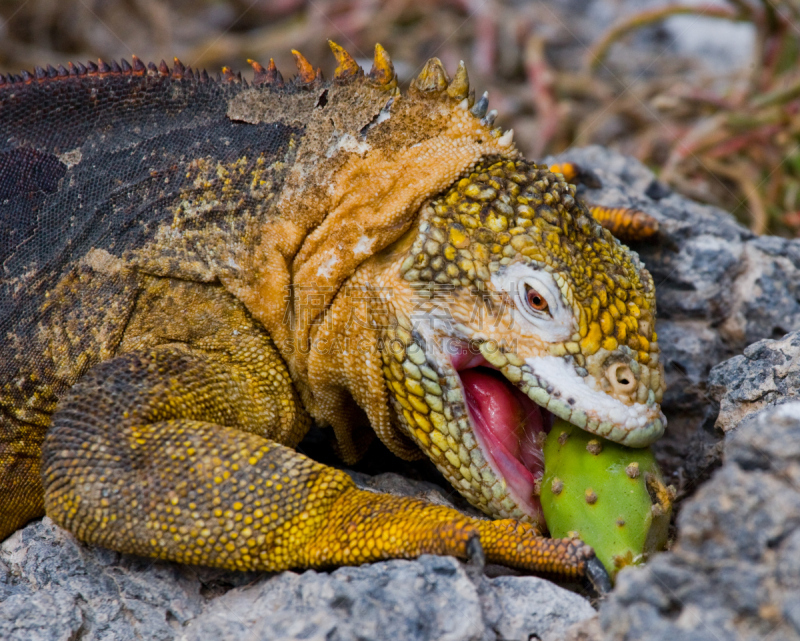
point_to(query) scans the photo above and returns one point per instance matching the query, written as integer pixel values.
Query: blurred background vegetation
(705, 93)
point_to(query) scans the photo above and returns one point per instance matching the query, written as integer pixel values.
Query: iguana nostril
(621, 378)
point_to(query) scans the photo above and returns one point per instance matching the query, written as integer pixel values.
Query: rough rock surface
(768, 373)
(431, 598)
(734, 573)
(719, 288)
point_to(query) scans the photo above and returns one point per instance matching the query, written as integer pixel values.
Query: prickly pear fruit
(612, 496)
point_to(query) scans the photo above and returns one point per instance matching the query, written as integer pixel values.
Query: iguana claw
(598, 577)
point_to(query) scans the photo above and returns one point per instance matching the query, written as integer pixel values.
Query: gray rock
(52, 587)
(430, 598)
(766, 374)
(516, 607)
(734, 572)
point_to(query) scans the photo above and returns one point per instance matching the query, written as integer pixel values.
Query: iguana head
(510, 305)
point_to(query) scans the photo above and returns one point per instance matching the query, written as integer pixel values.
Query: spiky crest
(432, 82)
(459, 87)
(305, 72)
(382, 72)
(346, 66)
(432, 79)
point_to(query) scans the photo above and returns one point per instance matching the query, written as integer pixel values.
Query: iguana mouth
(482, 415)
(510, 429)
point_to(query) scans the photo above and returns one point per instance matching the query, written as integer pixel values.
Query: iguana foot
(365, 526)
(626, 223)
(520, 545)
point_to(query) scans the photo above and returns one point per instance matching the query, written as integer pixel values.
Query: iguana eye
(536, 301)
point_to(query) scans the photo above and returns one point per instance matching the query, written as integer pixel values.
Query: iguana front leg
(166, 453)
(365, 526)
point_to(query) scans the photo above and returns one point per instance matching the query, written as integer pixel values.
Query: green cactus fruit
(612, 496)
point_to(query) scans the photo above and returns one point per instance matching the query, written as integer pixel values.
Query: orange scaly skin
(630, 225)
(185, 268)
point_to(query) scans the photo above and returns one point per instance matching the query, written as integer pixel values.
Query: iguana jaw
(479, 430)
(579, 400)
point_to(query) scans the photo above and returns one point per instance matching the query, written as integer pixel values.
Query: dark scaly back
(94, 160)
(95, 163)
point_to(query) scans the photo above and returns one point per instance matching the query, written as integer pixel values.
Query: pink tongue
(494, 407)
(507, 418)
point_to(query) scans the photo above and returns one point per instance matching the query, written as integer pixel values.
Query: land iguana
(194, 270)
